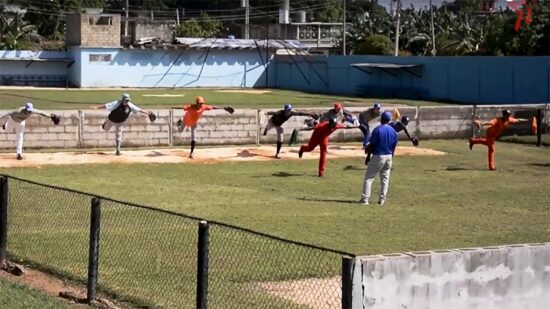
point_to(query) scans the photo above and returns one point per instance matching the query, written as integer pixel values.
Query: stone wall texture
(82, 128)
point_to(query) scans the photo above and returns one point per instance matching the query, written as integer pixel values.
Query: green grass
(16, 296)
(434, 203)
(528, 139)
(83, 99)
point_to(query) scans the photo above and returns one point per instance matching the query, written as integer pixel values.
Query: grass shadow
(456, 168)
(540, 164)
(327, 200)
(285, 174)
(353, 168)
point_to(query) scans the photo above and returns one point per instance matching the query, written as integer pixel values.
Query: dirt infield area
(180, 155)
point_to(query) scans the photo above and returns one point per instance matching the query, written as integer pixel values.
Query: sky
(422, 3)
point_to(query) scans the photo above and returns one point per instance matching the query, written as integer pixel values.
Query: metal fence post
(93, 256)
(202, 266)
(539, 127)
(3, 217)
(347, 282)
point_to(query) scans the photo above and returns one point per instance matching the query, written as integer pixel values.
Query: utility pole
(344, 30)
(397, 26)
(246, 6)
(433, 30)
(126, 8)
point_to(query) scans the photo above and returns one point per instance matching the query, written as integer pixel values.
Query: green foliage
(203, 27)
(459, 30)
(15, 32)
(376, 44)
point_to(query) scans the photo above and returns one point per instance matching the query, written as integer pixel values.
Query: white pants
(118, 131)
(279, 129)
(19, 128)
(377, 165)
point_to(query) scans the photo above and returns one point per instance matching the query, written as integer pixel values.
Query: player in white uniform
(119, 112)
(16, 122)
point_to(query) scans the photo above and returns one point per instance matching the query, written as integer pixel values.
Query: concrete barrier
(82, 129)
(516, 276)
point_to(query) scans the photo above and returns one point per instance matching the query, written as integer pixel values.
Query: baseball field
(441, 196)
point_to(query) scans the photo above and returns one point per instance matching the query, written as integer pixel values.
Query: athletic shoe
(276, 156)
(191, 156)
(300, 153)
(471, 144)
(265, 132)
(118, 152)
(381, 201)
(4, 126)
(364, 201)
(19, 157)
(320, 174)
(180, 125)
(103, 125)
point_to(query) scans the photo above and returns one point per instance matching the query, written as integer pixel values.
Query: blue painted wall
(170, 68)
(17, 62)
(461, 79)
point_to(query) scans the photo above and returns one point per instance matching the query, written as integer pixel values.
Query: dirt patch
(245, 91)
(45, 283)
(313, 293)
(202, 155)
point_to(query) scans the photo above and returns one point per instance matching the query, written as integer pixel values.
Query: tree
(203, 27)
(376, 44)
(15, 32)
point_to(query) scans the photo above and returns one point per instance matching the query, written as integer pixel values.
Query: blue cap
(287, 107)
(386, 116)
(29, 106)
(377, 105)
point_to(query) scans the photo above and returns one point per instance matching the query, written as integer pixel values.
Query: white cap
(125, 96)
(29, 106)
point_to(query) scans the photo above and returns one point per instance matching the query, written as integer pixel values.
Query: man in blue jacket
(381, 146)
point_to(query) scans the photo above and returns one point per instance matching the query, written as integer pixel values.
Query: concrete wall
(93, 30)
(506, 277)
(482, 80)
(83, 128)
(171, 68)
(18, 62)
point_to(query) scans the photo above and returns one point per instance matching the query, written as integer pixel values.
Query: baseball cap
(125, 96)
(29, 106)
(337, 106)
(506, 113)
(405, 120)
(287, 107)
(386, 116)
(199, 100)
(377, 105)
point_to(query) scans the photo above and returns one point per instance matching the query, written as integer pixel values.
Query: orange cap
(199, 100)
(337, 106)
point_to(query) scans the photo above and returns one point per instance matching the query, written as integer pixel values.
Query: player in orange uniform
(497, 126)
(320, 137)
(193, 112)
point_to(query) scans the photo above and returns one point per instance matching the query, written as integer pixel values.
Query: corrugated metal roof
(215, 43)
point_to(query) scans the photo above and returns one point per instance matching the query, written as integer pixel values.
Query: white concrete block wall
(82, 129)
(507, 277)
(220, 127)
(40, 132)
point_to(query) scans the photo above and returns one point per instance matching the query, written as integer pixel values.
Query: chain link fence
(149, 257)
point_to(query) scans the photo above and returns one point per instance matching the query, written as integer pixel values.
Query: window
(100, 57)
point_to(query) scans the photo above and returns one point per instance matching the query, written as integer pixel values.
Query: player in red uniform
(320, 137)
